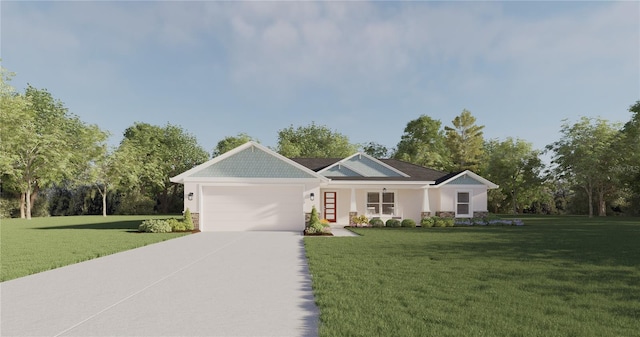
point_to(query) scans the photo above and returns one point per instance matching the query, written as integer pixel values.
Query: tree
(314, 141)
(465, 142)
(46, 145)
(159, 153)
(516, 167)
(376, 150)
(230, 143)
(423, 143)
(583, 157)
(109, 170)
(628, 145)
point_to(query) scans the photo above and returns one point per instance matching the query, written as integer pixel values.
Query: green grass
(556, 276)
(32, 246)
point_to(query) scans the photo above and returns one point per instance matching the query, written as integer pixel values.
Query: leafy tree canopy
(423, 143)
(465, 142)
(230, 143)
(313, 140)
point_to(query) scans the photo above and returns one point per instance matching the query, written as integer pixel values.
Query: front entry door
(330, 206)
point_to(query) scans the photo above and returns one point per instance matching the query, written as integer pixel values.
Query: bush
(444, 222)
(360, 220)
(188, 220)
(314, 216)
(376, 222)
(427, 222)
(155, 226)
(393, 223)
(408, 223)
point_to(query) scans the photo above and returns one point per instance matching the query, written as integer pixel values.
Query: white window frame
(381, 203)
(469, 203)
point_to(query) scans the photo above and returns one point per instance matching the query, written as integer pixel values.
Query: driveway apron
(205, 284)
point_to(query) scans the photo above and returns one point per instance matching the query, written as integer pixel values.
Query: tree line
(53, 163)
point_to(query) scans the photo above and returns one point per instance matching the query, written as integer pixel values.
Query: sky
(363, 69)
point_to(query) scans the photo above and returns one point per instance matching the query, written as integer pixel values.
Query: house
(254, 188)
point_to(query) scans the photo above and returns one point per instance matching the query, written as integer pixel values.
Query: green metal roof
(252, 163)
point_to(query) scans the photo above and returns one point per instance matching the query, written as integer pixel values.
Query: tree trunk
(104, 204)
(602, 204)
(590, 196)
(28, 202)
(514, 195)
(22, 206)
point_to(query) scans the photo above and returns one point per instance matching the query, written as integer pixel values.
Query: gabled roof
(362, 165)
(407, 171)
(465, 177)
(250, 160)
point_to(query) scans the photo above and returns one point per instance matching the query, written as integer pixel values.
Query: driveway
(205, 284)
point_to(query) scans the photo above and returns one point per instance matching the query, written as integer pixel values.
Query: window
(463, 205)
(385, 201)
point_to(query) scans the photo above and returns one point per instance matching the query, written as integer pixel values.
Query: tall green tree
(316, 141)
(376, 150)
(160, 153)
(230, 143)
(516, 167)
(465, 142)
(423, 143)
(47, 145)
(583, 157)
(627, 145)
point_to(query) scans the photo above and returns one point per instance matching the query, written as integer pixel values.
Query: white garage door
(246, 208)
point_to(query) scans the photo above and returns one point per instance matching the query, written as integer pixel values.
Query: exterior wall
(410, 204)
(448, 198)
(192, 205)
(434, 200)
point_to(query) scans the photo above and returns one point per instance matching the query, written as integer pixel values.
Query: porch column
(426, 210)
(353, 208)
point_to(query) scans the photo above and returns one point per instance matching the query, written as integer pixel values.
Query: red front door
(330, 206)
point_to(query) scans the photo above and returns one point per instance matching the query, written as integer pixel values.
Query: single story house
(254, 188)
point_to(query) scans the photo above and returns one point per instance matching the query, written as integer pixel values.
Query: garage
(252, 208)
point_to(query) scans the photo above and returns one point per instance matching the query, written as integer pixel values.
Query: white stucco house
(254, 188)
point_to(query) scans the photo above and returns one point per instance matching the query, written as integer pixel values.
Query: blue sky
(363, 69)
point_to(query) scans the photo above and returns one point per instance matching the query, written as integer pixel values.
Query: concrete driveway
(205, 284)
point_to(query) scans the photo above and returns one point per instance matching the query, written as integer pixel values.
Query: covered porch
(339, 204)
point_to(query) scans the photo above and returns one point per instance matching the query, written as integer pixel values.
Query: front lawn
(32, 246)
(555, 276)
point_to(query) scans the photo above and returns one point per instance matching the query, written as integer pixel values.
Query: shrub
(360, 220)
(314, 218)
(188, 220)
(427, 222)
(442, 222)
(176, 225)
(376, 222)
(449, 222)
(393, 223)
(408, 223)
(155, 226)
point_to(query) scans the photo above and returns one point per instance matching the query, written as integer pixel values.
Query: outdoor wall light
(312, 196)
(384, 190)
(190, 196)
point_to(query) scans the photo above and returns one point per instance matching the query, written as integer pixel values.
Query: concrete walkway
(206, 284)
(339, 230)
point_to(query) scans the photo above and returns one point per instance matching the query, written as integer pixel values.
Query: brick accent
(425, 215)
(480, 214)
(195, 217)
(307, 219)
(446, 214)
(351, 215)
